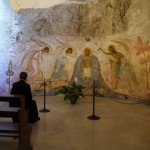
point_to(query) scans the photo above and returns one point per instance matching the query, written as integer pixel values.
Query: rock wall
(79, 19)
(7, 24)
(51, 44)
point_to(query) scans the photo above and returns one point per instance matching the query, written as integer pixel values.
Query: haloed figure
(124, 70)
(37, 61)
(87, 69)
(87, 65)
(44, 61)
(69, 58)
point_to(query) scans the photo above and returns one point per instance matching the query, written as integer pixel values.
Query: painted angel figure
(69, 60)
(124, 70)
(37, 61)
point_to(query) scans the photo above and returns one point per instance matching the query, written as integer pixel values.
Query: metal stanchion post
(44, 109)
(93, 116)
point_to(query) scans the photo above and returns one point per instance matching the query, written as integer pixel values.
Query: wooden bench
(22, 129)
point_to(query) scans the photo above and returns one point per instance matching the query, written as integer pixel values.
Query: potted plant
(72, 92)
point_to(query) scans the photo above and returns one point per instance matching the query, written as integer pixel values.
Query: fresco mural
(117, 67)
(122, 70)
(143, 47)
(54, 63)
(87, 69)
(125, 74)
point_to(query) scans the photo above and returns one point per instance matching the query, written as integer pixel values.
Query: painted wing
(126, 47)
(27, 57)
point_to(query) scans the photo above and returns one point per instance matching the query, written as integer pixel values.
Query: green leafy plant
(72, 92)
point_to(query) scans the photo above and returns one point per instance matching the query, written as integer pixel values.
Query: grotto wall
(104, 40)
(7, 38)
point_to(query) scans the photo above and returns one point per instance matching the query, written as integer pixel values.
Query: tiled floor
(124, 125)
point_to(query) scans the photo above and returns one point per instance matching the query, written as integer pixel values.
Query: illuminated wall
(106, 41)
(7, 16)
(24, 4)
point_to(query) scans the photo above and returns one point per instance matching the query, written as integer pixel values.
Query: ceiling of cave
(21, 4)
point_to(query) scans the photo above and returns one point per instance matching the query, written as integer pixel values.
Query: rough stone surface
(73, 19)
(87, 24)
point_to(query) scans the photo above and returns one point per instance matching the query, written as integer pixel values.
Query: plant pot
(73, 100)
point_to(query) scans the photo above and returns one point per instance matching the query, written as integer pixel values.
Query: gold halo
(73, 54)
(87, 48)
(111, 45)
(50, 49)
